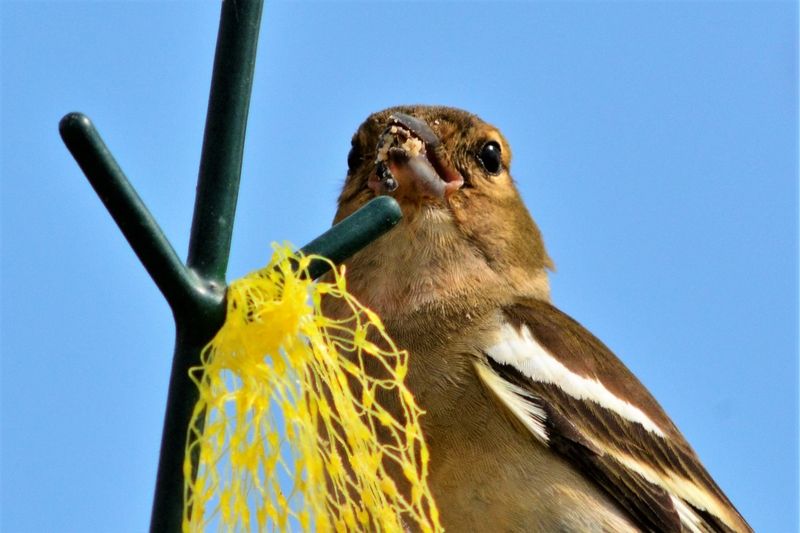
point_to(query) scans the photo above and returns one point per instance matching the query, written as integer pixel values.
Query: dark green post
(209, 243)
(196, 291)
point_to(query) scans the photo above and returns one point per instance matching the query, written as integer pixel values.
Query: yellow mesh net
(293, 427)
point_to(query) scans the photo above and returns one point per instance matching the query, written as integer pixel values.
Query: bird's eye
(354, 157)
(490, 157)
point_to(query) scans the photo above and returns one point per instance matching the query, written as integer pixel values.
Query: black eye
(490, 157)
(354, 157)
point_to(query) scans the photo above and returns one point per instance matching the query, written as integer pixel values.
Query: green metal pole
(209, 243)
(223, 142)
(353, 233)
(196, 291)
(178, 284)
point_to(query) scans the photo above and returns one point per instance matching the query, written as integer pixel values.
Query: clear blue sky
(655, 144)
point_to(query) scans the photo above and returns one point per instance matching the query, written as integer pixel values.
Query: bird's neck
(425, 265)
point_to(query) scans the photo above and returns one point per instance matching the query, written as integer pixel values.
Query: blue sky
(655, 144)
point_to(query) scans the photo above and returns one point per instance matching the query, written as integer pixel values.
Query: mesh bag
(292, 430)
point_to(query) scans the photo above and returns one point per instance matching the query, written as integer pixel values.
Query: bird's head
(465, 231)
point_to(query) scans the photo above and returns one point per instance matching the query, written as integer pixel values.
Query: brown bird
(533, 424)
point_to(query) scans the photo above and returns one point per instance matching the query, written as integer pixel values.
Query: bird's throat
(424, 262)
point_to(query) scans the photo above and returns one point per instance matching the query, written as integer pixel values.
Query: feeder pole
(196, 291)
(209, 243)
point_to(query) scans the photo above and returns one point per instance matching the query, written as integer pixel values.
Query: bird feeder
(196, 290)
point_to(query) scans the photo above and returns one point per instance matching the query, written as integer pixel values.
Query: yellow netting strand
(308, 424)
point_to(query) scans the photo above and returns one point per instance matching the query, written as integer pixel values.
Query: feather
(601, 418)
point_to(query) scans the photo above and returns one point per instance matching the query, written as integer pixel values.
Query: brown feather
(584, 354)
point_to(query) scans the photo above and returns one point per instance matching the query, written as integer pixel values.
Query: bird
(532, 423)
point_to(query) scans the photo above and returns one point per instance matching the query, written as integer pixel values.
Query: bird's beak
(409, 162)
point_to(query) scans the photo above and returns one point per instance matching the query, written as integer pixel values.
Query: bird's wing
(573, 395)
